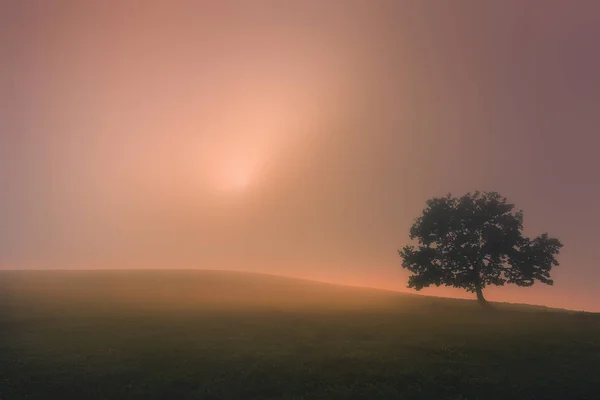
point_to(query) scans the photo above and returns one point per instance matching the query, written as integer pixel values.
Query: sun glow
(232, 142)
(237, 179)
(240, 182)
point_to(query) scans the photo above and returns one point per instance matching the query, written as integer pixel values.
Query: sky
(299, 138)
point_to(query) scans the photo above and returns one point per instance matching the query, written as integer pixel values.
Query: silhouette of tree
(474, 241)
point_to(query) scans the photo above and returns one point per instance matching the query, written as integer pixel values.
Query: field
(90, 335)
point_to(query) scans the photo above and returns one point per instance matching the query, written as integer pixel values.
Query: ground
(224, 335)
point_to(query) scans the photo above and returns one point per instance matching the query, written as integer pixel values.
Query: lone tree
(474, 241)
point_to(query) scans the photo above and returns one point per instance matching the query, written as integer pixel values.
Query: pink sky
(298, 138)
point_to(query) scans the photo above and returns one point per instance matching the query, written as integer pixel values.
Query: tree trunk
(478, 289)
(482, 301)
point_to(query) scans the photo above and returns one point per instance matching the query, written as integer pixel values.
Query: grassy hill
(232, 335)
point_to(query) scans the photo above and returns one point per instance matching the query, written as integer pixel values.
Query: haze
(296, 138)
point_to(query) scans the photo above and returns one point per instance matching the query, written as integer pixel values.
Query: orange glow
(296, 138)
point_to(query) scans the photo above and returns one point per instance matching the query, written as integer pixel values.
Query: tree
(475, 241)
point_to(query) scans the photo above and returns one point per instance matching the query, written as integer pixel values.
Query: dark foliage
(473, 241)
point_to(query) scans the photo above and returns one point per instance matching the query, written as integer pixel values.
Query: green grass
(89, 335)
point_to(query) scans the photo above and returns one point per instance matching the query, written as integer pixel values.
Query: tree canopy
(473, 241)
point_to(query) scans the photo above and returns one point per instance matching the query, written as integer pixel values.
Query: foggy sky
(298, 138)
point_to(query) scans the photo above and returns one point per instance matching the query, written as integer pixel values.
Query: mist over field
(297, 139)
(299, 200)
(232, 335)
